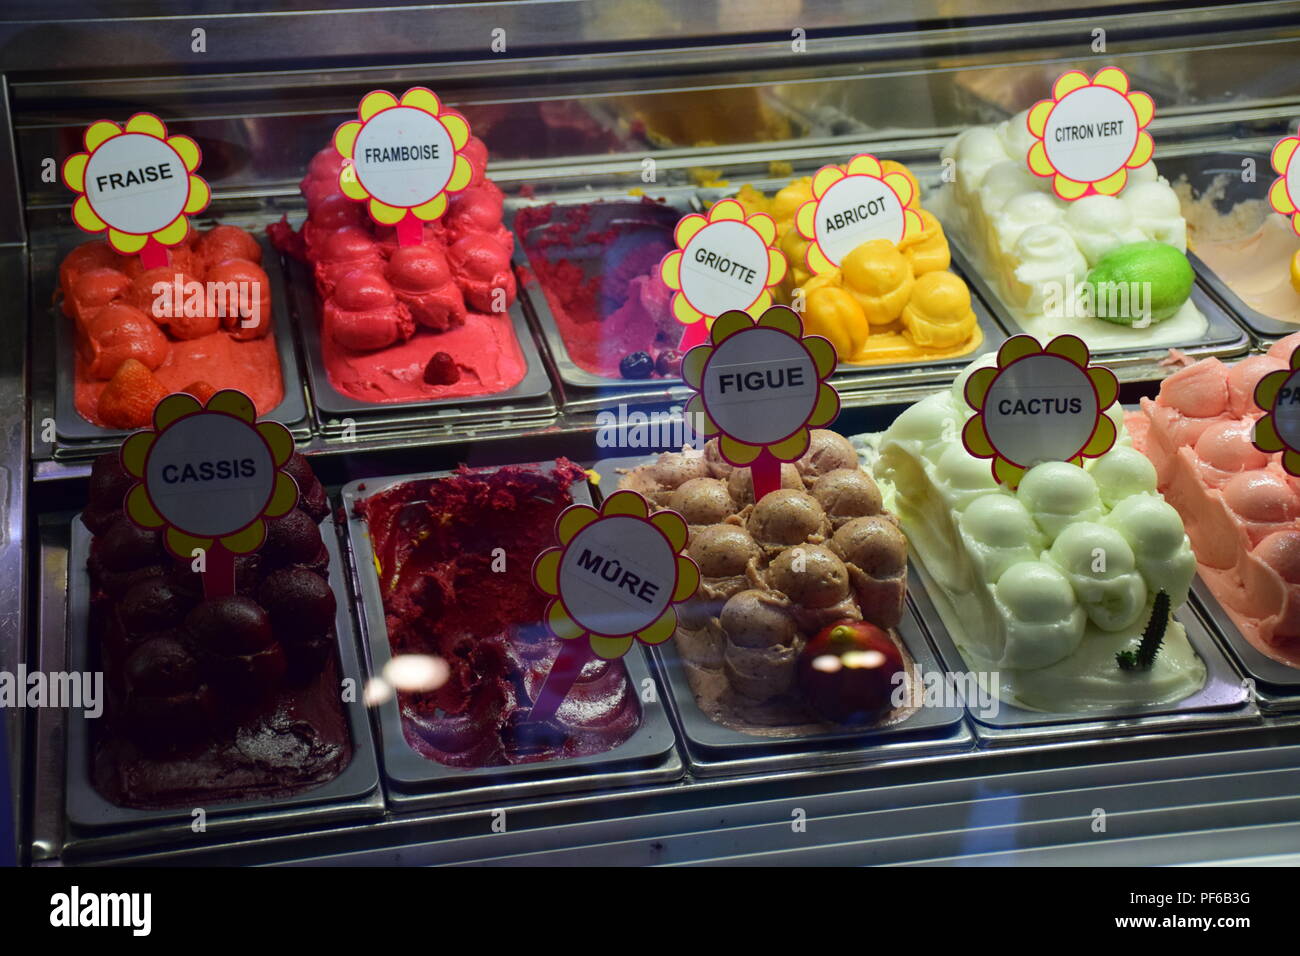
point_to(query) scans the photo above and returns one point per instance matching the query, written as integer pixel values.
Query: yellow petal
(764, 225)
(1018, 346)
(728, 324)
(610, 648)
(776, 267)
(1039, 164)
(864, 164)
(247, 540)
(805, 219)
(278, 440)
(136, 449)
(350, 186)
(737, 452)
(125, 242)
(174, 406)
(1069, 347)
(421, 98)
(433, 209)
(1113, 77)
(1068, 188)
(546, 571)
(141, 511)
(1107, 385)
(976, 438)
(383, 213)
(1007, 473)
(345, 138)
(74, 172)
(687, 227)
(673, 527)
(1102, 439)
(670, 270)
(688, 579)
(174, 232)
(823, 354)
(625, 502)
(1112, 184)
(85, 217)
(1281, 155)
(1037, 118)
(977, 386)
(184, 545)
(664, 627)
(187, 150)
(1143, 106)
(791, 448)
(234, 402)
(1266, 436)
(574, 519)
(902, 186)
(99, 132)
(456, 128)
(693, 363)
(782, 318)
(825, 178)
(148, 124)
(1069, 82)
(827, 407)
(683, 311)
(561, 623)
(283, 497)
(374, 102)
(1291, 462)
(727, 209)
(461, 174)
(200, 196)
(818, 262)
(1277, 196)
(1266, 388)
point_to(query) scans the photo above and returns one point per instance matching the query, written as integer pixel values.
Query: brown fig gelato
(772, 575)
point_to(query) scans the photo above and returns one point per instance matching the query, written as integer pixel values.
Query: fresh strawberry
(128, 399)
(442, 370)
(200, 390)
(847, 672)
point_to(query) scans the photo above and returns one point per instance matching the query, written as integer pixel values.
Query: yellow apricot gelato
(879, 278)
(939, 314)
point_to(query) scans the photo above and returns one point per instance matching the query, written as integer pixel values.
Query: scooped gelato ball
(786, 517)
(1101, 567)
(722, 550)
(1044, 620)
(702, 501)
(873, 544)
(811, 575)
(717, 466)
(754, 619)
(1228, 447)
(1000, 533)
(1058, 494)
(827, 450)
(1281, 552)
(760, 672)
(966, 477)
(847, 493)
(1121, 472)
(673, 469)
(1154, 531)
(741, 483)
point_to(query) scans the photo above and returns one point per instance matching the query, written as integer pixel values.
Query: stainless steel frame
(269, 89)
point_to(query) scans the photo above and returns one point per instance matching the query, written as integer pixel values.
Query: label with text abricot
(854, 210)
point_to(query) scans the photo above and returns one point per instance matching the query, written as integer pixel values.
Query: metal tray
(1223, 700)
(713, 749)
(1277, 685)
(1200, 170)
(70, 427)
(95, 824)
(530, 395)
(1222, 336)
(415, 781)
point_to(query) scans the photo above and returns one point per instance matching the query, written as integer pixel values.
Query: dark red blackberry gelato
(448, 592)
(212, 700)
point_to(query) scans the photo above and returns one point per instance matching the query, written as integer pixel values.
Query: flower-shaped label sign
(613, 579)
(1090, 133)
(853, 205)
(1284, 194)
(138, 184)
(761, 385)
(209, 476)
(1039, 404)
(724, 260)
(403, 157)
(1278, 394)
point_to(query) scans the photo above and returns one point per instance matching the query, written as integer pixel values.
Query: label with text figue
(1090, 133)
(1039, 404)
(761, 386)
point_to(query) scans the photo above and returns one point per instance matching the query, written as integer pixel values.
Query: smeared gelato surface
(212, 701)
(434, 543)
(598, 266)
(1240, 507)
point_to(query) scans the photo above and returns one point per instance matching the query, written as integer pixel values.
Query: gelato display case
(876, 623)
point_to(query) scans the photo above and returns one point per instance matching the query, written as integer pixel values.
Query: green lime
(1132, 279)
